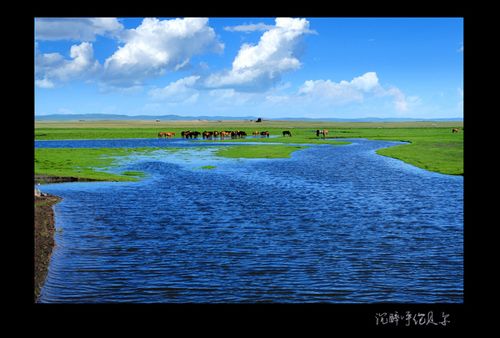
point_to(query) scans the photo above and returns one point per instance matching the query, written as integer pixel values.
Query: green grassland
(431, 146)
(84, 163)
(89, 164)
(268, 151)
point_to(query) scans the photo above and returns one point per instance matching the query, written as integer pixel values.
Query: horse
(255, 133)
(264, 133)
(455, 130)
(323, 132)
(287, 132)
(207, 134)
(166, 134)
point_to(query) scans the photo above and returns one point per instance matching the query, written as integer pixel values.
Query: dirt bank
(44, 237)
(44, 227)
(58, 179)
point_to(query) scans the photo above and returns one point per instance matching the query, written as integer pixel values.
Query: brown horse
(455, 130)
(264, 133)
(255, 133)
(166, 134)
(207, 134)
(323, 132)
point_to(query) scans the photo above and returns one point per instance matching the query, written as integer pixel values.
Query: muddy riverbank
(44, 228)
(44, 237)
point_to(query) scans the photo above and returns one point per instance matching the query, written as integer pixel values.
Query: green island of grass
(85, 163)
(258, 151)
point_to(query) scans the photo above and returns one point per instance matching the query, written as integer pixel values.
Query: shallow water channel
(330, 224)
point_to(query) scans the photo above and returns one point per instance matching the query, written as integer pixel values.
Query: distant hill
(372, 119)
(90, 117)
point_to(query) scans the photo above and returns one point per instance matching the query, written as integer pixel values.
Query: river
(334, 224)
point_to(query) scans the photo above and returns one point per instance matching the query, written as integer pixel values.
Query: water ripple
(331, 224)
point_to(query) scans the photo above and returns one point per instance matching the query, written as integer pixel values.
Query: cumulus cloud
(44, 83)
(79, 29)
(178, 91)
(400, 102)
(258, 67)
(356, 90)
(367, 82)
(341, 93)
(53, 67)
(249, 28)
(232, 98)
(157, 46)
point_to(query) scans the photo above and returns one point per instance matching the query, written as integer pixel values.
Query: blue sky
(266, 67)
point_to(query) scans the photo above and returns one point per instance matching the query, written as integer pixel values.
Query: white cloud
(366, 82)
(80, 29)
(178, 91)
(258, 67)
(53, 67)
(44, 83)
(400, 101)
(222, 94)
(461, 48)
(249, 28)
(356, 90)
(231, 98)
(157, 46)
(339, 93)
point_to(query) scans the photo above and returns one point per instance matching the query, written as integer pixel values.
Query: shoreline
(44, 179)
(44, 228)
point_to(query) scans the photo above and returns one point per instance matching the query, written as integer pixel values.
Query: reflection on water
(330, 224)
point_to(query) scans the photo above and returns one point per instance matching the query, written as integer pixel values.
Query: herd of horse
(189, 134)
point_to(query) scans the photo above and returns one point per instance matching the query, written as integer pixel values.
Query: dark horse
(264, 133)
(455, 130)
(287, 132)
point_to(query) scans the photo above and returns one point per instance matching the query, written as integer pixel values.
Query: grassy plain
(432, 145)
(84, 163)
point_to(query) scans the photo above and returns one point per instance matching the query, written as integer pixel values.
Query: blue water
(331, 224)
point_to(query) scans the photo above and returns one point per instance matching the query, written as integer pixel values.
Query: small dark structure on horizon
(259, 120)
